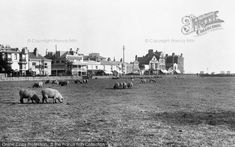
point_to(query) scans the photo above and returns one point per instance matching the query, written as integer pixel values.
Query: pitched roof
(145, 59)
(103, 62)
(72, 57)
(9, 50)
(39, 57)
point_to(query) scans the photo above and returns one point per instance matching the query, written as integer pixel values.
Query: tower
(123, 54)
(123, 60)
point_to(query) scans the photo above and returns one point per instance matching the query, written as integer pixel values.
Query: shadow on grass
(25, 103)
(195, 118)
(110, 89)
(9, 102)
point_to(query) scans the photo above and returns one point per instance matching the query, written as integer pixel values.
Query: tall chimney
(35, 52)
(150, 51)
(55, 48)
(136, 58)
(123, 54)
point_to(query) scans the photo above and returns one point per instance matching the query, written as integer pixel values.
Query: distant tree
(5, 66)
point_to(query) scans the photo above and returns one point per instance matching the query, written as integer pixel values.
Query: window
(15, 56)
(57, 61)
(52, 62)
(33, 63)
(96, 67)
(23, 57)
(45, 65)
(3, 56)
(23, 66)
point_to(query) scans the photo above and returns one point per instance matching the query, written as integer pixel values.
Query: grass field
(188, 111)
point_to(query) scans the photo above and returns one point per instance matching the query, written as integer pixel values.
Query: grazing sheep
(152, 80)
(116, 85)
(63, 83)
(51, 93)
(28, 94)
(47, 81)
(120, 86)
(143, 80)
(85, 81)
(129, 85)
(55, 82)
(124, 85)
(38, 85)
(78, 81)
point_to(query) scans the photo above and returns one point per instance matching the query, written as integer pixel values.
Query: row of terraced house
(61, 63)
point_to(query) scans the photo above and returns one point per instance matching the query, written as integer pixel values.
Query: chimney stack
(150, 51)
(55, 48)
(35, 51)
(136, 58)
(123, 54)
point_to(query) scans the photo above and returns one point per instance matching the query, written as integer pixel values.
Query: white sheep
(51, 93)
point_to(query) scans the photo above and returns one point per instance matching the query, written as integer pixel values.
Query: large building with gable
(158, 63)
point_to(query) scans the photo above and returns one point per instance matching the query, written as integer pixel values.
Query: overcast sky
(104, 26)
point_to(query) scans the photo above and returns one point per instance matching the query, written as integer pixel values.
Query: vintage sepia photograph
(114, 73)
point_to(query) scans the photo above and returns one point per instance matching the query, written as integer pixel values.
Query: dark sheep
(116, 85)
(38, 85)
(28, 94)
(47, 81)
(78, 81)
(129, 85)
(143, 80)
(63, 83)
(152, 80)
(55, 82)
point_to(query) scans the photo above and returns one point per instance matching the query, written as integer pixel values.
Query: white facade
(17, 59)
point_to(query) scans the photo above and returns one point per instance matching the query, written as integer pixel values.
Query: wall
(48, 69)
(37, 78)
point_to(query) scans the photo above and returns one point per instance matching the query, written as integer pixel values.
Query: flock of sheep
(31, 95)
(122, 85)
